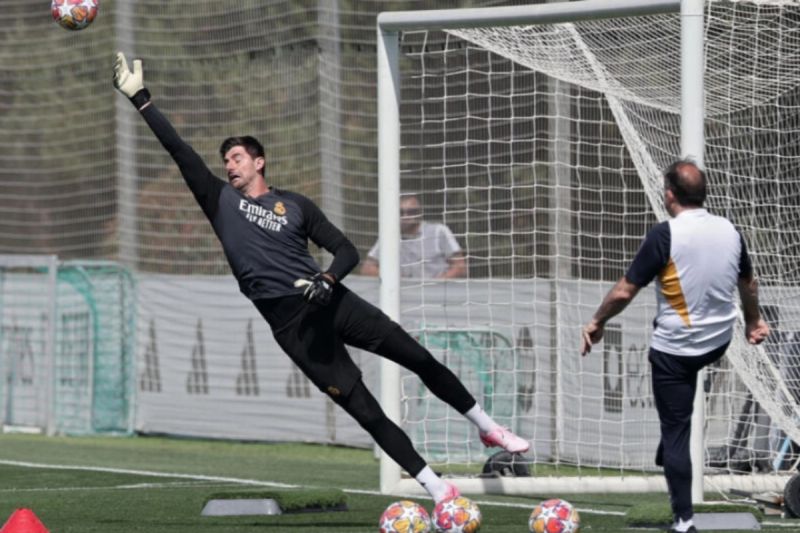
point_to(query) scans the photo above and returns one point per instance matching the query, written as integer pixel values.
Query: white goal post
(633, 100)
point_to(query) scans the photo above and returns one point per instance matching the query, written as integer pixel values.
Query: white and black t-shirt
(696, 259)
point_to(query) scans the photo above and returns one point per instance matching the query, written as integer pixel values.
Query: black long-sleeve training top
(265, 239)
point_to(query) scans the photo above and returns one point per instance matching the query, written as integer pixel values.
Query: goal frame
(692, 143)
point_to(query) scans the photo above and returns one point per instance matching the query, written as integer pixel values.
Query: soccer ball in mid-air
(405, 517)
(74, 14)
(457, 515)
(554, 516)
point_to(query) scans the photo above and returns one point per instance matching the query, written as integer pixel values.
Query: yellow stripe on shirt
(671, 289)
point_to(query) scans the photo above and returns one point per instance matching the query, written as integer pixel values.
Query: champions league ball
(554, 516)
(74, 14)
(405, 517)
(457, 515)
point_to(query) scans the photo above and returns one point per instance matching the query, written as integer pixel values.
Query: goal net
(66, 346)
(541, 147)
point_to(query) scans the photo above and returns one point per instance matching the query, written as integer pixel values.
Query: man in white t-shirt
(427, 250)
(698, 261)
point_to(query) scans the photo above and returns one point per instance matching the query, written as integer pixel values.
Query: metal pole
(127, 186)
(329, 72)
(50, 345)
(561, 224)
(513, 15)
(389, 224)
(693, 146)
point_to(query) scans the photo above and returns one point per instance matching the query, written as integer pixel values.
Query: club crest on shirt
(279, 209)
(263, 217)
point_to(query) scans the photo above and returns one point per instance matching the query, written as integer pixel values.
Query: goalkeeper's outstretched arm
(205, 186)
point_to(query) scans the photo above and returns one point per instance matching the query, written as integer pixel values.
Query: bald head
(687, 183)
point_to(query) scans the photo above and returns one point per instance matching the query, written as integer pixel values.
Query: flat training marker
(274, 502)
(712, 521)
(243, 507)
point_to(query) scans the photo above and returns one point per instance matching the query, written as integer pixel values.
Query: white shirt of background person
(428, 250)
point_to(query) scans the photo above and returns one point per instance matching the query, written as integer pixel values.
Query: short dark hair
(688, 190)
(250, 145)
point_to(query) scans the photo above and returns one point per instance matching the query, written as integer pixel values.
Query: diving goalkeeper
(264, 233)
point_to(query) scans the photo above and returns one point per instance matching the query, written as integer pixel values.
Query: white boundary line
(239, 481)
(133, 486)
(149, 473)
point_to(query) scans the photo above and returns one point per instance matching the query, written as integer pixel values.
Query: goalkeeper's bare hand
(127, 82)
(319, 288)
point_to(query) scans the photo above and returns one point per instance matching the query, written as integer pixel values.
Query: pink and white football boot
(502, 437)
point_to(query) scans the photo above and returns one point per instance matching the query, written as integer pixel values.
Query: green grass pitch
(122, 485)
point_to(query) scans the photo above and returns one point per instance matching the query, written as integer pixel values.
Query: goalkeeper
(264, 233)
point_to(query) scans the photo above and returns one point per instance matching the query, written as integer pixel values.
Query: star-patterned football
(74, 14)
(405, 516)
(554, 516)
(457, 515)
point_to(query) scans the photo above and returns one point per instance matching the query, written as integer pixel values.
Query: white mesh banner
(212, 368)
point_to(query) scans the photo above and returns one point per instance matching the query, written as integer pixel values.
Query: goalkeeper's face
(244, 171)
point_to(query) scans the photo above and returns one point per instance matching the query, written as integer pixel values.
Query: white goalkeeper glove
(131, 84)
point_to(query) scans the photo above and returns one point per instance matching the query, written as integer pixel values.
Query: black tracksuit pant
(674, 384)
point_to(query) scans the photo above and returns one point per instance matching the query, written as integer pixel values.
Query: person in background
(428, 250)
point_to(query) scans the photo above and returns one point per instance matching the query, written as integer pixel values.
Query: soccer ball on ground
(554, 516)
(405, 516)
(74, 14)
(457, 515)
